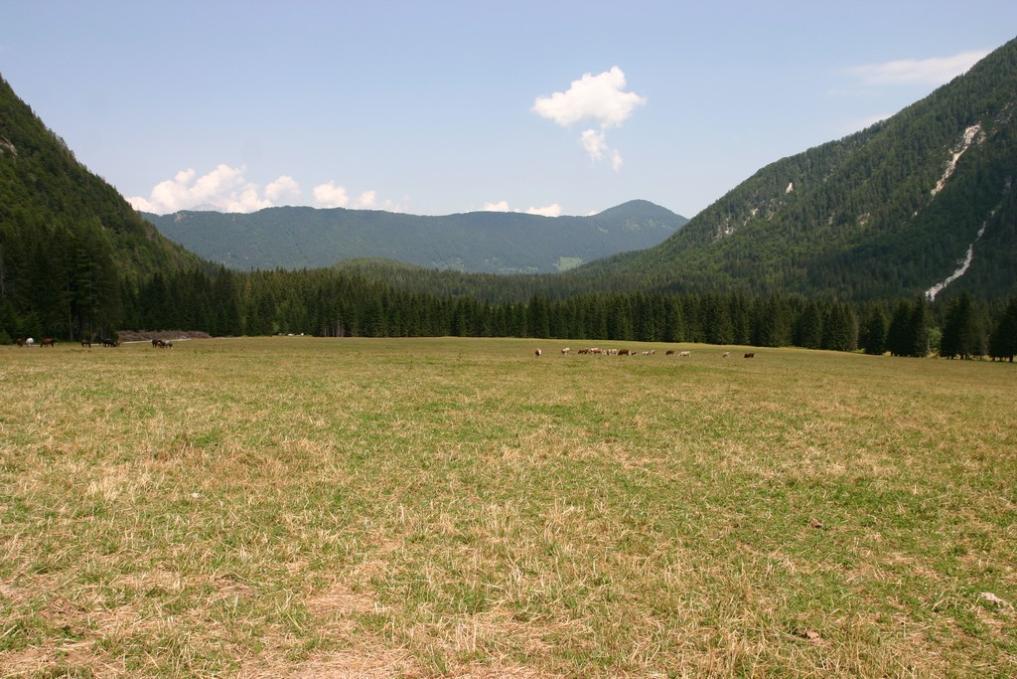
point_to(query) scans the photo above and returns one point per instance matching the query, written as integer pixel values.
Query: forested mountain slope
(68, 240)
(888, 211)
(484, 242)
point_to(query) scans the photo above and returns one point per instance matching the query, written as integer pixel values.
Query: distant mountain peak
(482, 242)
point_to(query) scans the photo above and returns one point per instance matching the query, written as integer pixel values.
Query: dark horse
(109, 342)
(85, 342)
(47, 342)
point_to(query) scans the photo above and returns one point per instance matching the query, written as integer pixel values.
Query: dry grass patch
(423, 508)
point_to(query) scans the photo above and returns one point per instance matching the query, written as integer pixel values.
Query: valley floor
(308, 507)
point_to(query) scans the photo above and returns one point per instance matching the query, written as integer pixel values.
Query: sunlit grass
(312, 507)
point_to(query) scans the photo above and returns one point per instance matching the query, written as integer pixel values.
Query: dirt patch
(339, 600)
(350, 664)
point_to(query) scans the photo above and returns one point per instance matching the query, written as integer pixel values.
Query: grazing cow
(537, 353)
(685, 354)
(168, 344)
(110, 342)
(669, 352)
(583, 351)
(612, 352)
(750, 354)
(20, 341)
(624, 352)
(565, 351)
(30, 342)
(47, 342)
(726, 354)
(85, 342)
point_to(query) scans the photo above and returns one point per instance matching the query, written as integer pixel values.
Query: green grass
(313, 507)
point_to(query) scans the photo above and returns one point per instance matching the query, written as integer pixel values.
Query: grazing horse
(537, 353)
(20, 341)
(85, 342)
(750, 354)
(47, 342)
(109, 342)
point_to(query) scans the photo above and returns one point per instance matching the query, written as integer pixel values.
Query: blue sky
(432, 107)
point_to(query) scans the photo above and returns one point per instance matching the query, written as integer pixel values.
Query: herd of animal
(565, 351)
(87, 343)
(30, 342)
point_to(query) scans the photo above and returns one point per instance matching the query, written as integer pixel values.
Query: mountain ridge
(889, 210)
(481, 242)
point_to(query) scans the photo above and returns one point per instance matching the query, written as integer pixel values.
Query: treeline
(327, 302)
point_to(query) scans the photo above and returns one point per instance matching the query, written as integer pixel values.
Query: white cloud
(594, 143)
(616, 161)
(330, 195)
(224, 188)
(284, 188)
(599, 98)
(931, 71)
(552, 210)
(366, 200)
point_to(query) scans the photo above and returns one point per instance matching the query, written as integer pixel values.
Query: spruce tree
(962, 334)
(809, 330)
(918, 330)
(873, 338)
(898, 337)
(1003, 344)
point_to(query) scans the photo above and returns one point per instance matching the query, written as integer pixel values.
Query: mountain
(483, 242)
(922, 202)
(68, 241)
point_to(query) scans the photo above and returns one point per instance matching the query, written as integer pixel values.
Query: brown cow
(750, 354)
(85, 342)
(537, 353)
(47, 342)
(669, 352)
(624, 352)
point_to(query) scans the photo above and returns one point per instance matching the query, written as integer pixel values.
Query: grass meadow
(456, 507)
